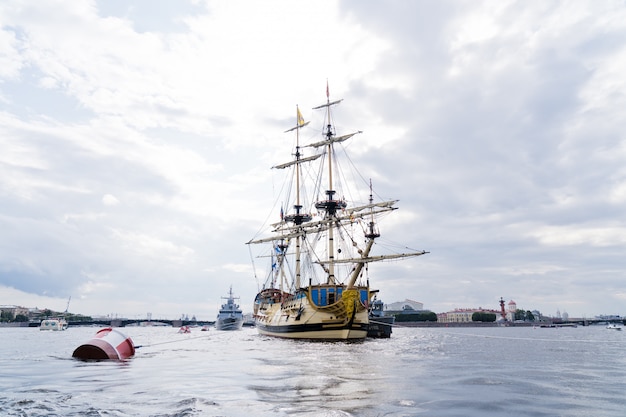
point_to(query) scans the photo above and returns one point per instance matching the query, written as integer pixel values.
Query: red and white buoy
(108, 343)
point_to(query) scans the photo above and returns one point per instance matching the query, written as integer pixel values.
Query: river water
(516, 371)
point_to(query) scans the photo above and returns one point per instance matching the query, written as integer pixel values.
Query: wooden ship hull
(312, 313)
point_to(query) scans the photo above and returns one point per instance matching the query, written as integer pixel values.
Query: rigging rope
(176, 341)
(256, 278)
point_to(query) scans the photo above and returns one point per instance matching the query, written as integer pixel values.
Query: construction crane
(68, 304)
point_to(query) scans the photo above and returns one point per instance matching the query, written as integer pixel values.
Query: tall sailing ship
(318, 284)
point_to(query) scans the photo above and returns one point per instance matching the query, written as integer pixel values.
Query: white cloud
(136, 146)
(110, 200)
(580, 235)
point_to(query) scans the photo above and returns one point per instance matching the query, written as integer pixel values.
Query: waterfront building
(404, 307)
(462, 315)
(511, 309)
(14, 311)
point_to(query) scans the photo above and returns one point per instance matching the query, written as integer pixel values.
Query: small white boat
(613, 326)
(56, 324)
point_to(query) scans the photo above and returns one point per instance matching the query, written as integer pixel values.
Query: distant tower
(512, 310)
(502, 312)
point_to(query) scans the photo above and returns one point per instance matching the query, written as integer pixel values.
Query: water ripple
(418, 372)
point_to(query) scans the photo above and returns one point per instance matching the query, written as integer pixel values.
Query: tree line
(478, 316)
(7, 316)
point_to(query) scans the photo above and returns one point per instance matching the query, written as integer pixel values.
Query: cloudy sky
(137, 139)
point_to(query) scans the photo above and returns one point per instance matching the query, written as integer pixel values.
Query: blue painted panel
(315, 295)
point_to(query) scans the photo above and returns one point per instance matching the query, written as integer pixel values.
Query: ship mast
(371, 234)
(298, 217)
(298, 206)
(330, 205)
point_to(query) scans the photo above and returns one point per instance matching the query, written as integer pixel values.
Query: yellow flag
(300, 118)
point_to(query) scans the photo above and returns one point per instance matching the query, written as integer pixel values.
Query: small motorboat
(380, 325)
(55, 324)
(613, 326)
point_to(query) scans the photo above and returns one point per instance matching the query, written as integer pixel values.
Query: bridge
(590, 322)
